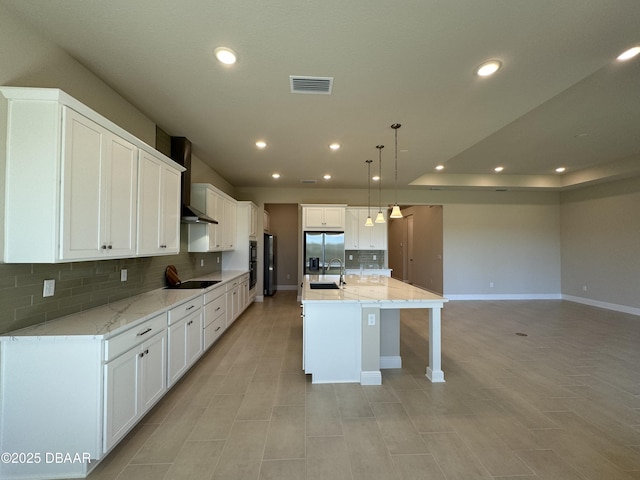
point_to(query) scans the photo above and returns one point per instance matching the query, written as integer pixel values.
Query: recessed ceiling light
(560, 169)
(629, 54)
(375, 178)
(498, 169)
(225, 55)
(440, 167)
(581, 135)
(488, 68)
(327, 177)
(275, 175)
(261, 144)
(334, 146)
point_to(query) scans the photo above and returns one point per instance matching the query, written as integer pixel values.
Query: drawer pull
(145, 332)
(218, 308)
(217, 329)
(190, 307)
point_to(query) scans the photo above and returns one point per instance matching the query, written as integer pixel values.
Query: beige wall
(601, 243)
(427, 270)
(283, 223)
(28, 60)
(517, 247)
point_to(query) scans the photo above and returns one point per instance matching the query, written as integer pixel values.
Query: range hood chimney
(181, 154)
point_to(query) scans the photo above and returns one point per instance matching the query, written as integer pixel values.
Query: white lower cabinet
(215, 310)
(134, 382)
(184, 338)
(81, 392)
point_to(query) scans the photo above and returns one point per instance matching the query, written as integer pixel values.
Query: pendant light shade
(369, 222)
(395, 211)
(380, 216)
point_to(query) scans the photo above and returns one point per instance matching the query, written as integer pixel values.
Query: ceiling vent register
(311, 85)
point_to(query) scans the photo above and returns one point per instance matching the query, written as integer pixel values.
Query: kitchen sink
(323, 286)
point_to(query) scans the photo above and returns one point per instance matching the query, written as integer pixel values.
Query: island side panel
(390, 339)
(370, 374)
(332, 341)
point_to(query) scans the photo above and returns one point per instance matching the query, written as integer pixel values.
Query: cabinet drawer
(233, 284)
(211, 295)
(214, 309)
(184, 309)
(213, 331)
(134, 336)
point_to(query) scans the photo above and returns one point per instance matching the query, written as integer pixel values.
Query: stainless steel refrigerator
(270, 276)
(320, 248)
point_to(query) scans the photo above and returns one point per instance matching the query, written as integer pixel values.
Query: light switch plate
(371, 319)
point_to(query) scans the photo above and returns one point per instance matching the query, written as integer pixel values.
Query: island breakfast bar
(351, 332)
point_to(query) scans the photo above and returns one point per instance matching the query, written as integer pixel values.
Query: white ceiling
(409, 61)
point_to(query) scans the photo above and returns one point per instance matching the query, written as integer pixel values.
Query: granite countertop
(112, 318)
(378, 289)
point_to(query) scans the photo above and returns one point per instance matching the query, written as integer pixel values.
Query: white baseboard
(599, 304)
(391, 362)
(506, 296)
(371, 378)
(548, 296)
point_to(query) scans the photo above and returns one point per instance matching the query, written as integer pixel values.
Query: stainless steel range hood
(181, 154)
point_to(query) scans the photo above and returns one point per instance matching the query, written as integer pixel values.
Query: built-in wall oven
(253, 263)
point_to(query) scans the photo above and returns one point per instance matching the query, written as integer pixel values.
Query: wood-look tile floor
(562, 402)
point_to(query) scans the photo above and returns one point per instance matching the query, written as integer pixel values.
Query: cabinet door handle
(110, 247)
(145, 332)
(190, 307)
(103, 247)
(141, 354)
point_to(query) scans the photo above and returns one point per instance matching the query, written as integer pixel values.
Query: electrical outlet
(202, 262)
(123, 275)
(288, 276)
(350, 257)
(49, 288)
(584, 288)
(490, 284)
(375, 257)
(371, 319)
(218, 259)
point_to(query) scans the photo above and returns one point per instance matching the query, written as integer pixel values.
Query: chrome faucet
(342, 282)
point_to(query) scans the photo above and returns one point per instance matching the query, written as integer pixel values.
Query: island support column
(434, 369)
(370, 371)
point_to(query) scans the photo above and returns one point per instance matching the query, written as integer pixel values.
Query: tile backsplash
(83, 285)
(366, 259)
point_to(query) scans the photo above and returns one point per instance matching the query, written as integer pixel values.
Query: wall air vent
(312, 85)
(308, 182)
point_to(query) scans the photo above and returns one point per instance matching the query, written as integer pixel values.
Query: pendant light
(369, 222)
(395, 211)
(380, 216)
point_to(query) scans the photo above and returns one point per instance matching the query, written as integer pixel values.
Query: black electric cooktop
(195, 284)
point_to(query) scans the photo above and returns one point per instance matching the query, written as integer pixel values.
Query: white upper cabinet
(323, 217)
(100, 176)
(158, 207)
(70, 180)
(230, 224)
(359, 237)
(208, 237)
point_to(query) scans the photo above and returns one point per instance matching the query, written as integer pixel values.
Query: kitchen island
(352, 332)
